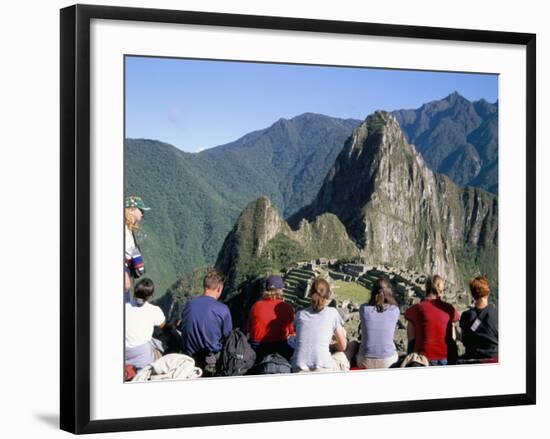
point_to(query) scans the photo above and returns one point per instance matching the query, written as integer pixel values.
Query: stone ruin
(408, 286)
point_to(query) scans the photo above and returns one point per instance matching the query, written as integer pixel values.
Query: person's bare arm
(457, 335)
(340, 338)
(127, 281)
(410, 331)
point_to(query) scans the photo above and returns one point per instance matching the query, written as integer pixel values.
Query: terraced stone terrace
(297, 283)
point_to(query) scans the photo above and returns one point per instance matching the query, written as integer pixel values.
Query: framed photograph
(273, 218)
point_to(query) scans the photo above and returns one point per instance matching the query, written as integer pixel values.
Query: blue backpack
(273, 363)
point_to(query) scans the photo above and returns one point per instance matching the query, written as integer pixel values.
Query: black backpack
(237, 356)
(273, 363)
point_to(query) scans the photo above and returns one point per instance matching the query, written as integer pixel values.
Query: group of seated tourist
(312, 339)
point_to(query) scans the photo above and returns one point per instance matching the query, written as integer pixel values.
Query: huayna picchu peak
(382, 204)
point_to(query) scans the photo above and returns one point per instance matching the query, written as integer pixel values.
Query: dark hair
(320, 291)
(382, 294)
(213, 279)
(479, 287)
(144, 289)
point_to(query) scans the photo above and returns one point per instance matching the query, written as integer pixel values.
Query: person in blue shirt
(206, 323)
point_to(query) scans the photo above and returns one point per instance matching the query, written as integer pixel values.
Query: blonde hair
(213, 279)
(320, 292)
(273, 294)
(129, 219)
(435, 285)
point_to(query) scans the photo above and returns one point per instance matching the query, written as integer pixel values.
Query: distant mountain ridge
(292, 155)
(456, 137)
(197, 197)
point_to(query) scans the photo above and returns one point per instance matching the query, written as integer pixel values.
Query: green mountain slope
(457, 138)
(196, 198)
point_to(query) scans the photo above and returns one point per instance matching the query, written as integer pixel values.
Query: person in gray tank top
(378, 322)
(318, 329)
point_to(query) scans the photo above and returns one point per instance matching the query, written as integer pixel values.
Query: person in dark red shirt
(430, 323)
(271, 321)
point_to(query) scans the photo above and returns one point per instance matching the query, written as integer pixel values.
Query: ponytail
(382, 294)
(320, 291)
(379, 300)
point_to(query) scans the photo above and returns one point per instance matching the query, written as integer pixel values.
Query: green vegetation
(280, 253)
(262, 242)
(326, 236)
(376, 122)
(352, 291)
(473, 263)
(196, 198)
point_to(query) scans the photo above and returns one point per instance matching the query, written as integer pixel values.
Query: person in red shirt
(271, 321)
(431, 323)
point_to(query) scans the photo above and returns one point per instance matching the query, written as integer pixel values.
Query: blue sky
(197, 104)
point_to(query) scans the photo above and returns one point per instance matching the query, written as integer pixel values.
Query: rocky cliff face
(398, 211)
(258, 223)
(262, 242)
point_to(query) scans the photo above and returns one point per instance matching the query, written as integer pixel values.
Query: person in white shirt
(141, 349)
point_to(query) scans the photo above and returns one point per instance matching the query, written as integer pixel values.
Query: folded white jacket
(170, 367)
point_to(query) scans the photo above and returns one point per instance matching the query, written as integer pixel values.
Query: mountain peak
(380, 120)
(455, 96)
(379, 132)
(392, 205)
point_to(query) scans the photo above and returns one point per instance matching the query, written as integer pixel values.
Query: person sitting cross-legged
(479, 324)
(141, 349)
(205, 324)
(431, 323)
(316, 327)
(378, 322)
(271, 321)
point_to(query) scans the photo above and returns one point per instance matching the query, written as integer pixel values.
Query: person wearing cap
(134, 209)
(271, 321)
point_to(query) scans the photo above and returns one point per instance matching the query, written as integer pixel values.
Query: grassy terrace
(352, 291)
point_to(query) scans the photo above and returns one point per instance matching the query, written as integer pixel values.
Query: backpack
(237, 356)
(169, 337)
(273, 363)
(415, 360)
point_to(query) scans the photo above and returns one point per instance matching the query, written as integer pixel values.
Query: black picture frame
(75, 217)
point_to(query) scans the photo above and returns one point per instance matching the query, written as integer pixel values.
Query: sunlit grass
(352, 291)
